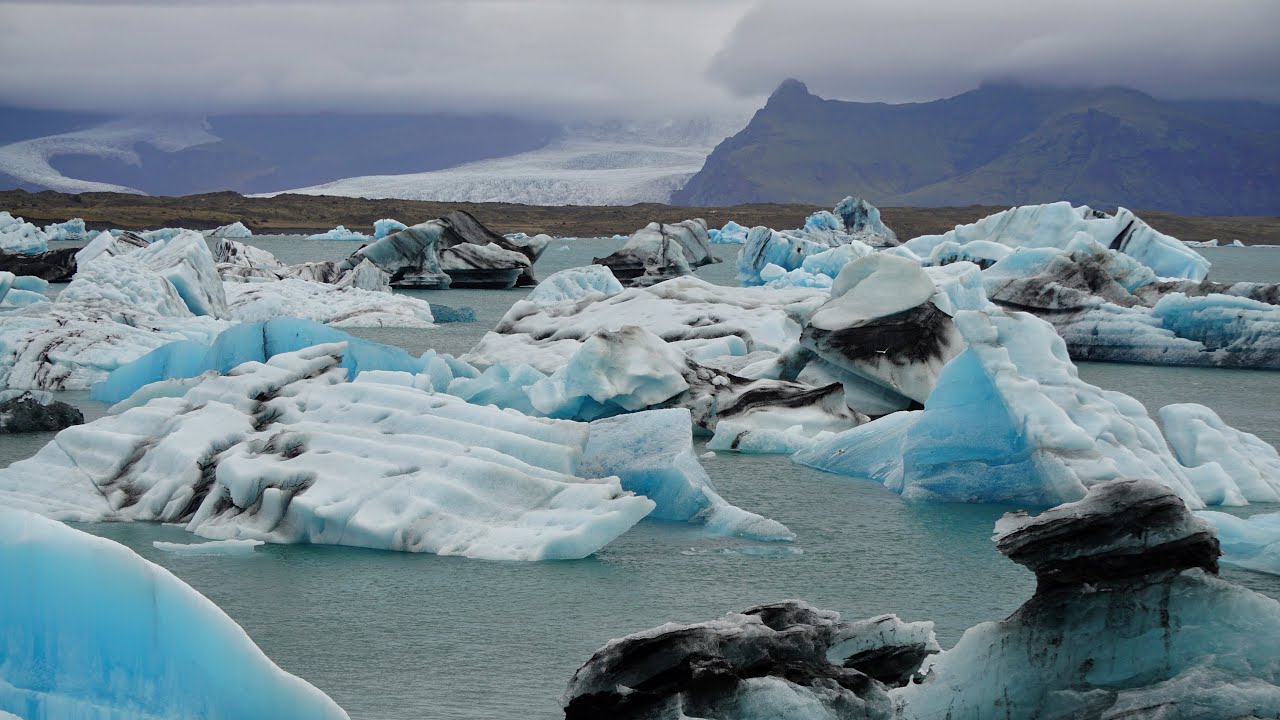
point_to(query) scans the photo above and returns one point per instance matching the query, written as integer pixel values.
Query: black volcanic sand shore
(306, 213)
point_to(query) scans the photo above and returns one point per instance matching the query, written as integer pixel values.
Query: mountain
(1001, 144)
(184, 154)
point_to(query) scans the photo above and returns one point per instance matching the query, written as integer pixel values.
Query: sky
(567, 59)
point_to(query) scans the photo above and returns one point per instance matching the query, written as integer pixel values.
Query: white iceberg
(290, 452)
(1251, 543)
(214, 547)
(1056, 225)
(575, 284)
(1229, 467)
(387, 226)
(19, 236)
(341, 233)
(94, 631)
(236, 230)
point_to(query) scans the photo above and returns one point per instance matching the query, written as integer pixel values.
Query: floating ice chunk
(882, 326)
(387, 226)
(1056, 225)
(686, 310)
(1128, 619)
(1009, 421)
(234, 230)
(784, 660)
(341, 233)
(408, 256)
(215, 547)
(1243, 468)
(861, 218)
(661, 251)
(612, 372)
(20, 291)
(94, 631)
(731, 234)
(26, 411)
(18, 236)
(465, 253)
(1246, 331)
(575, 284)
(744, 437)
(1253, 543)
(72, 229)
(289, 452)
(337, 305)
(652, 452)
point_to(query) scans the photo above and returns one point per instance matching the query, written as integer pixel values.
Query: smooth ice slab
(215, 547)
(95, 632)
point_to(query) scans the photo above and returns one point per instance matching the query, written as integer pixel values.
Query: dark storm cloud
(899, 50)
(575, 58)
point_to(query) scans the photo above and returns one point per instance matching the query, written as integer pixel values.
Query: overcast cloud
(580, 58)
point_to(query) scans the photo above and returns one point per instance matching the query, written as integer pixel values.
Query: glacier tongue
(93, 631)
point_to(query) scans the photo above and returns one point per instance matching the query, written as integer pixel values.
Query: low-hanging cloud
(560, 57)
(903, 50)
(589, 58)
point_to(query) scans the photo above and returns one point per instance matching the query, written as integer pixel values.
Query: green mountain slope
(1001, 145)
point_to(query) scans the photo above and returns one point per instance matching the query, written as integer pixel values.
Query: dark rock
(24, 413)
(54, 265)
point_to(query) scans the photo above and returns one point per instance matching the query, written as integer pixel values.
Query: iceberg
(1252, 543)
(214, 547)
(288, 451)
(652, 453)
(574, 284)
(341, 233)
(782, 660)
(882, 326)
(851, 232)
(337, 305)
(235, 230)
(19, 236)
(95, 631)
(387, 226)
(1129, 619)
(474, 255)
(73, 229)
(53, 265)
(731, 234)
(696, 316)
(408, 256)
(1056, 225)
(21, 290)
(1008, 421)
(661, 251)
(1229, 467)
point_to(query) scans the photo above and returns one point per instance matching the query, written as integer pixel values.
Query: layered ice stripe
(246, 342)
(91, 631)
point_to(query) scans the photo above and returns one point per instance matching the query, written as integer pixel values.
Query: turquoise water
(392, 635)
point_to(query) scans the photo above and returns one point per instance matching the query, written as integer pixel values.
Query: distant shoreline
(286, 214)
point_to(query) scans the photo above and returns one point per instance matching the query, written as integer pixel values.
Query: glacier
(94, 632)
(604, 163)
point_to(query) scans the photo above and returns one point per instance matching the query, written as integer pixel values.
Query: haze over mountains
(1001, 144)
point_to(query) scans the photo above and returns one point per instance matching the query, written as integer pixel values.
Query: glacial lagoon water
(400, 636)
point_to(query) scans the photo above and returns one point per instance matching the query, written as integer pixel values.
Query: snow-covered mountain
(592, 164)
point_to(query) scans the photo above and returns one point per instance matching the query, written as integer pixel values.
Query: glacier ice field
(401, 635)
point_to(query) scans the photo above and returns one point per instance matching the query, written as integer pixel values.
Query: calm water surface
(396, 635)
